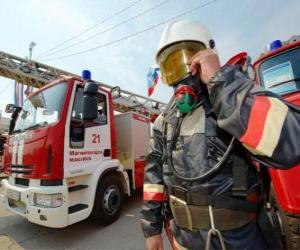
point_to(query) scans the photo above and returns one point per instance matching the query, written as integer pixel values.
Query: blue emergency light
(276, 44)
(86, 75)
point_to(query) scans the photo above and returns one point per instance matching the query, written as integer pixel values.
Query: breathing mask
(175, 71)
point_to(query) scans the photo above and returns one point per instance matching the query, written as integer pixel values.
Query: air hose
(210, 172)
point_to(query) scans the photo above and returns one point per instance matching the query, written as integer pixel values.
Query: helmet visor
(173, 61)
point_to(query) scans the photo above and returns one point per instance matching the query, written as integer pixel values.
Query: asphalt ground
(17, 233)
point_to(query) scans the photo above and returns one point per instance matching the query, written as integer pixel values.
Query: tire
(287, 226)
(108, 200)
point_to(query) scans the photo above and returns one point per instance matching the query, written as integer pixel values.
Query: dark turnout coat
(265, 128)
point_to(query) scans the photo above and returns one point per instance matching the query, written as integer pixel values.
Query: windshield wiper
(280, 83)
(17, 131)
(38, 125)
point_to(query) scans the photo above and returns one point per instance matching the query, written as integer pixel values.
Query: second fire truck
(278, 70)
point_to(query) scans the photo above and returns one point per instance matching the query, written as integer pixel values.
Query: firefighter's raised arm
(153, 192)
(265, 125)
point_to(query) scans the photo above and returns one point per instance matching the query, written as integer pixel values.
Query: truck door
(88, 143)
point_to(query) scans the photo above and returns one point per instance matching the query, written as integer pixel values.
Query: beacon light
(86, 75)
(276, 44)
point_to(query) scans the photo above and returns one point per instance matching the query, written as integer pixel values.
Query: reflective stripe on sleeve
(256, 123)
(265, 124)
(154, 188)
(177, 245)
(153, 192)
(153, 196)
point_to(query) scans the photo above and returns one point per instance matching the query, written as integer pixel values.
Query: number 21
(96, 138)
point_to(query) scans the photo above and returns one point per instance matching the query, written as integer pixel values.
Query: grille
(20, 169)
(23, 182)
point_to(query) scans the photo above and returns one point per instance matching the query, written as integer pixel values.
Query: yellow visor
(173, 61)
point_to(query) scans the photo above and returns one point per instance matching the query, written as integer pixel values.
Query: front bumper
(49, 217)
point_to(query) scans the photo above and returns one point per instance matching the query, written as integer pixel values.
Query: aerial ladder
(37, 75)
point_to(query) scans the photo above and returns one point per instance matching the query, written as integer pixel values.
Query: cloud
(62, 14)
(252, 28)
(281, 25)
(228, 45)
(238, 25)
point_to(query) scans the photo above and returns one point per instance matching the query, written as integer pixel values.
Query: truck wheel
(287, 226)
(108, 200)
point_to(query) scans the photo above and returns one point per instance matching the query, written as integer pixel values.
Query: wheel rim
(111, 199)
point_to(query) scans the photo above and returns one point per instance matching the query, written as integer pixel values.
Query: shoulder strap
(240, 171)
(239, 174)
(206, 102)
(165, 132)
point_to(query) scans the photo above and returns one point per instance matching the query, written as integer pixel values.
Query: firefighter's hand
(206, 63)
(154, 243)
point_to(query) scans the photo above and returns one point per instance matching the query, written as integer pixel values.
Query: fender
(98, 174)
(122, 172)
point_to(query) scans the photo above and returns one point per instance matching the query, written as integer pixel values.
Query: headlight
(48, 200)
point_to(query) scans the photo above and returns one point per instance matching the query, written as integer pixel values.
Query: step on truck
(69, 156)
(278, 70)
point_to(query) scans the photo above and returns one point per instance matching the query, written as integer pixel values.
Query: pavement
(125, 234)
(8, 243)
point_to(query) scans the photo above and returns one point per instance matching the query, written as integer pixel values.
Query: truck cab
(61, 155)
(278, 70)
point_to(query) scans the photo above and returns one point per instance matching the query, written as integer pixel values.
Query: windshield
(42, 109)
(281, 74)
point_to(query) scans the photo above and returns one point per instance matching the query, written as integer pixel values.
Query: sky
(126, 50)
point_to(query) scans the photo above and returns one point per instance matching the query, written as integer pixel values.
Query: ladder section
(37, 74)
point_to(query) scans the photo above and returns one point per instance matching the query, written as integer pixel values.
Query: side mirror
(90, 88)
(10, 108)
(89, 101)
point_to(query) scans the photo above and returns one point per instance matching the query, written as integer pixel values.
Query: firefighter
(199, 168)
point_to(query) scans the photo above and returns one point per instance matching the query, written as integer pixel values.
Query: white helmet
(185, 30)
(179, 42)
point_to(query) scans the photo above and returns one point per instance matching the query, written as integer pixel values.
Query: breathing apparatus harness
(191, 92)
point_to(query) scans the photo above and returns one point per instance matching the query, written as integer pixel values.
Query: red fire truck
(68, 155)
(278, 70)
